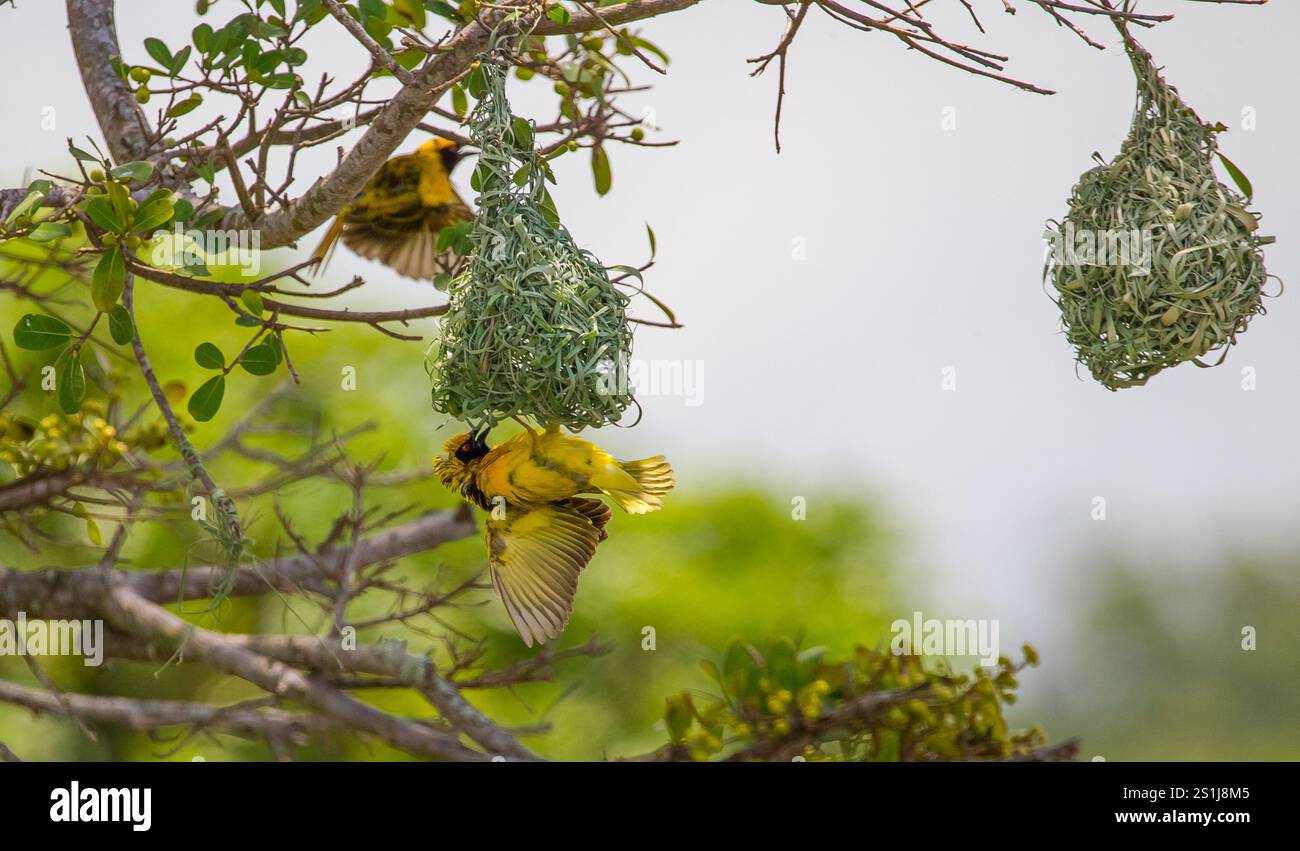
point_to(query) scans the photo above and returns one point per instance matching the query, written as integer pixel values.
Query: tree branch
(223, 504)
(72, 593)
(94, 41)
(129, 612)
(381, 56)
(328, 655)
(139, 714)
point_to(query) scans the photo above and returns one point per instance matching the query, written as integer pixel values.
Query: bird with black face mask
(540, 532)
(397, 218)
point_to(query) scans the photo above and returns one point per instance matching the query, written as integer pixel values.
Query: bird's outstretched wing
(535, 555)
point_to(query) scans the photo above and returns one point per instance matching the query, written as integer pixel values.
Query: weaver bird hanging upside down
(540, 533)
(397, 217)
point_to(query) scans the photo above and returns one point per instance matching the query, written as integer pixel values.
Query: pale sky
(923, 251)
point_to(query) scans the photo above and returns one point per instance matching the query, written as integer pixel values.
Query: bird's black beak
(451, 156)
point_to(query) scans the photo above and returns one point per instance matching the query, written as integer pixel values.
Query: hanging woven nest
(1156, 262)
(534, 326)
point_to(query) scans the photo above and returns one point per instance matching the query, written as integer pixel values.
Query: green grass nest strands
(534, 323)
(1205, 272)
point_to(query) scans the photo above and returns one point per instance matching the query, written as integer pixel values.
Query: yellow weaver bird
(540, 533)
(397, 217)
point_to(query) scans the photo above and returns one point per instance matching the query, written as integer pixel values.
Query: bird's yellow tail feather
(655, 477)
(323, 251)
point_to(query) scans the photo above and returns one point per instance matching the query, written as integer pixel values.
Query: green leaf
(711, 671)
(600, 170)
(84, 156)
(155, 212)
(678, 716)
(183, 107)
(202, 36)
(93, 533)
(311, 11)
(260, 359)
(549, 211)
(443, 9)
(208, 356)
(459, 103)
(177, 64)
(736, 659)
(120, 326)
(269, 29)
(407, 59)
(781, 664)
(158, 50)
(808, 664)
(522, 132)
(206, 401)
(559, 14)
(50, 231)
(646, 45)
(280, 81)
(379, 29)
(109, 279)
(446, 237)
(194, 267)
(101, 212)
(252, 300)
(37, 332)
(33, 199)
(138, 171)
(1238, 177)
(120, 199)
(477, 83)
(72, 385)
(412, 11)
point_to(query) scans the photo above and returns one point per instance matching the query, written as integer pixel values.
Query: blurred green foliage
(784, 704)
(1162, 669)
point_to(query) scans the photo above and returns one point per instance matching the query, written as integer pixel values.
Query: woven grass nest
(1156, 262)
(534, 324)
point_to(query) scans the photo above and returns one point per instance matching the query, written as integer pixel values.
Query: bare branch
(381, 56)
(129, 612)
(137, 714)
(71, 593)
